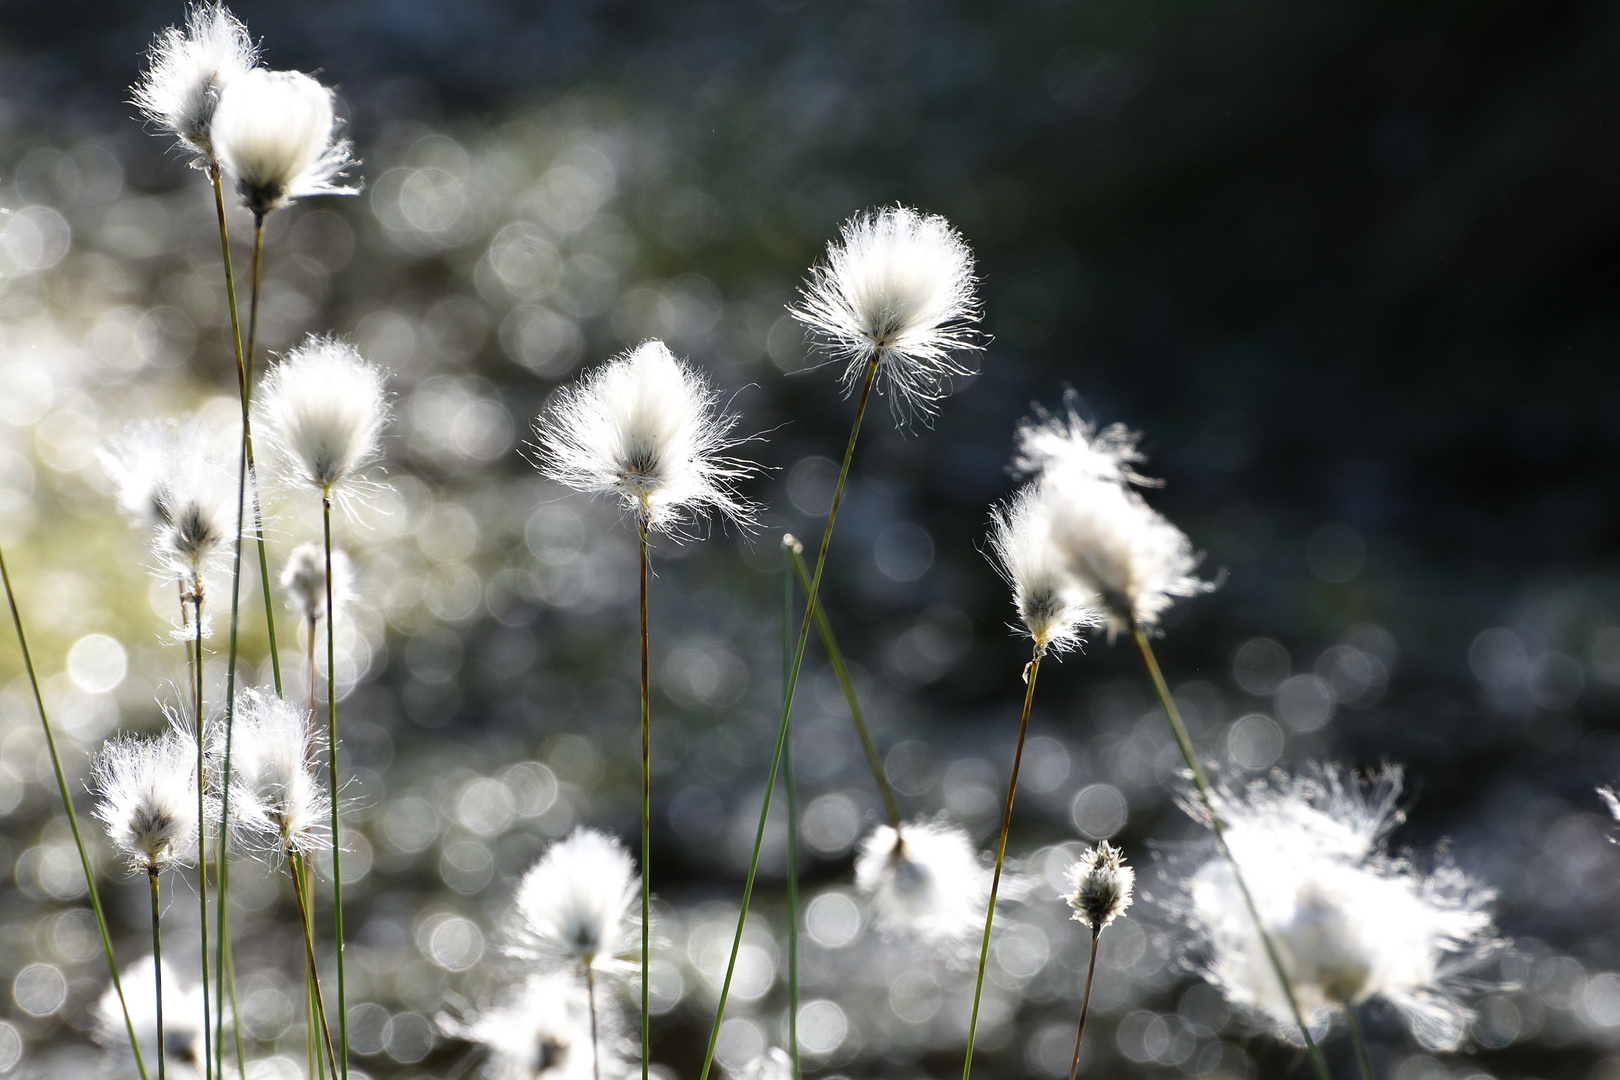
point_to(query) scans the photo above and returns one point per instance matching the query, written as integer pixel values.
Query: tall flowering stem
(791, 547)
(1218, 827)
(646, 822)
(787, 704)
(202, 832)
(157, 968)
(297, 866)
(73, 818)
(331, 757)
(1030, 673)
(1085, 1003)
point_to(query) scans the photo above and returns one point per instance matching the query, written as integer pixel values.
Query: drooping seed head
(276, 134)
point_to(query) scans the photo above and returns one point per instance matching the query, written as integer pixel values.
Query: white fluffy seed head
(773, 1064)
(575, 907)
(1100, 886)
(304, 579)
(278, 805)
(183, 1023)
(1071, 444)
(148, 789)
(897, 289)
(1126, 557)
(1610, 800)
(1053, 607)
(542, 1031)
(187, 71)
(1350, 921)
(925, 881)
(276, 134)
(644, 427)
(322, 409)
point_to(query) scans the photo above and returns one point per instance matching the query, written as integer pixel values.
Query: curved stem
(73, 818)
(1218, 827)
(792, 822)
(836, 656)
(297, 865)
(1362, 1057)
(596, 1045)
(787, 707)
(1085, 1003)
(1030, 673)
(157, 969)
(646, 818)
(202, 836)
(331, 757)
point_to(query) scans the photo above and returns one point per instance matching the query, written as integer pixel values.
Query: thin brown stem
(331, 757)
(157, 968)
(297, 865)
(1085, 1003)
(596, 1045)
(202, 831)
(646, 820)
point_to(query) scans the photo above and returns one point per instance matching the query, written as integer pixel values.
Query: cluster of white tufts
(576, 907)
(304, 580)
(148, 789)
(188, 71)
(322, 410)
(278, 806)
(540, 1031)
(924, 880)
(1350, 921)
(643, 426)
(183, 1022)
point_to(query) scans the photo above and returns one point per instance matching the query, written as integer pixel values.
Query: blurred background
(1351, 267)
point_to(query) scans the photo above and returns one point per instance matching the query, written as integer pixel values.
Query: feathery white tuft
(277, 802)
(1127, 558)
(148, 789)
(924, 880)
(1350, 921)
(322, 409)
(1051, 603)
(1071, 444)
(187, 71)
(541, 1032)
(1610, 800)
(304, 579)
(773, 1064)
(575, 907)
(897, 288)
(277, 135)
(138, 463)
(643, 426)
(182, 1022)
(1100, 886)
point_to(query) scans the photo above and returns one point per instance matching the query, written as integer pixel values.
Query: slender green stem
(236, 1015)
(296, 864)
(646, 818)
(1218, 827)
(1085, 1003)
(856, 713)
(792, 818)
(1362, 1057)
(202, 832)
(596, 1045)
(157, 968)
(1030, 673)
(73, 818)
(787, 707)
(312, 1020)
(332, 759)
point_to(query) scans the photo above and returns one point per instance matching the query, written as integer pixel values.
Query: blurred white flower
(897, 288)
(138, 461)
(1349, 921)
(773, 1064)
(925, 880)
(276, 134)
(182, 1022)
(1610, 800)
(541, 1032)
(277, 803)
(322, 409)
(148, 789)
(1070, 444)
(187, 70)
(1100, 886)
(304, 579)
(643, 426)
(576, 907)
(1051, 603)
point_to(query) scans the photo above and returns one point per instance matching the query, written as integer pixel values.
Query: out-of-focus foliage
(1350, 266)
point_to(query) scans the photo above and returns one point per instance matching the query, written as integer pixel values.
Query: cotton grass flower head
(773, 1064)
(182, 1022)
(1051, 603)
(924, 880)
(644, 427)
(187, 71)
(138, 462)
(897, 289)
(575, 907)
(1350, 921)
(540, 1032)
(276, 133)
(277, 803)
(148, 789)
(304, 580)
(1070, 444)
(1100, 886)
(322, 409)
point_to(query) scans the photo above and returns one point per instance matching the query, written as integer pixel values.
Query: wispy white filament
(182, 1022)
(575, 907)
(277, 803)
(304, 579)
(897, 288)
(187, 71)
(644, 427)
(1053, 605)
(1100, 886)
(148, 789)
(1350, 921)
(322, 410)
(277, 135)
(925, 880)
(541, 1032)
(1070, 444)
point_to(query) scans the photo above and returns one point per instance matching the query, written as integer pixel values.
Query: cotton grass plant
(1100, 892)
